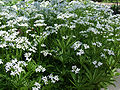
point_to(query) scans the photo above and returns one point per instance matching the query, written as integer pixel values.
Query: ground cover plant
(53, 45)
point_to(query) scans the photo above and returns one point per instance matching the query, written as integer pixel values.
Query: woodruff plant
(51, 46)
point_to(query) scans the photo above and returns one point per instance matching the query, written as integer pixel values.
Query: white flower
(28, 59)
(1, 61)
(98, 44)
(39, 21)
(43, 45)
(37, 85)
(75, 69)
(86, 46)
(102, 55)
(35, 88)
(1, 2)
(28, 31)
(76, 45)
(53, 78)
(99, 63)
(94, 62)
(16, 67)
(65, 37)
(40, 24)
(43, 69)
(45, 79)
(23, 24)
(40, 68)
(110, 52)
(45, 52)
(27, 55)
(80, 52)
(56, 78)
(15, 7)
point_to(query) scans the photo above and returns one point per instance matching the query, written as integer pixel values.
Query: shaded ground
(117, 83)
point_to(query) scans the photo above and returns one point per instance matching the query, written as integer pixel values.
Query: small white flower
(99, 63)
(1, 2)
(40, 24)
(28, 59)
(53, 78)
(37, 85)
(43, 69)
(40, 68)
(98, 44)
(53, 81)
(1, 61)
(35, 88)
(43, 45)
(75, 69)
(102, 55)
(45, 79)
(94, 62)
(110, 52)
(15, 67)
(65, 37)
(23, 24)
(45, 52)
(86, 46)
(56, 78)
(27, 55)
(80, 52)
(76, 45)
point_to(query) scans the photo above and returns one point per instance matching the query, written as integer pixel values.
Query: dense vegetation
(53, 45)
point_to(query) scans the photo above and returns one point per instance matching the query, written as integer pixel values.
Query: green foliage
(58, 45)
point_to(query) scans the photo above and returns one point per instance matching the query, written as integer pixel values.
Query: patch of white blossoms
(66, 15)
(15, 67)
(40, 69)
(80, 52)
(27, 56)
(110, 52)
(75, 69)
(52, 78)
(46, 52)
(76, 45)
(98, 44)
(97, 64)
(37, 86)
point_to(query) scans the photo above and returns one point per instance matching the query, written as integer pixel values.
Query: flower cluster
(51, 77)
(97, 64)
(40, 69)
(27, 55)
(56, 34)
(110, 52)
(15, 67)
(98, 44)
(38, 86)
(76, 45)
(75, 69)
